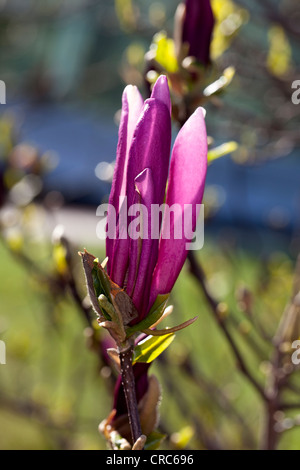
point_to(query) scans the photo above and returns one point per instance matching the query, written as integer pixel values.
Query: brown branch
(129, 391)
(289, 406)
(213, 391)
(197, 271)
(276, 383)
(210, 443)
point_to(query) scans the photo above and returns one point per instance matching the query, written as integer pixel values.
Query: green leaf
(154, 440)
(102, 279)
(93, 280)
(155, 313)
(169, 330)
(221, 150)
(96, 282)
(60, 258)
(279, 59)
(126, 14)
(182, 437)
(107, 306)
(220, 84)
(164, 52)
(151, 347)
(100, 286)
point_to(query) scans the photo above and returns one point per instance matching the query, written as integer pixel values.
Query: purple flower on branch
(146, 267)
(129, 290)
(195, 23)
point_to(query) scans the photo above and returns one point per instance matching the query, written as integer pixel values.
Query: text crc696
(171, 459)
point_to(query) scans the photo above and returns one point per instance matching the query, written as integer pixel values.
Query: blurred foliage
(164, 50)
(22, 168)
(57, 383)
(221, 150)
(49, 370)
(126, 14)
(279, 58)
(67, 50)
(229, 19)
(151, 348)
(54, 390)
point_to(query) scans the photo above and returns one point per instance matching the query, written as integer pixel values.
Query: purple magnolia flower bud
(197, 22)
(148, 266)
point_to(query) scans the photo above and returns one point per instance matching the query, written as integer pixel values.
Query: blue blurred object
(81, 141)
(266, 195)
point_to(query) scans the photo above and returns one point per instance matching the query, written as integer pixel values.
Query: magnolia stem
(129, 391)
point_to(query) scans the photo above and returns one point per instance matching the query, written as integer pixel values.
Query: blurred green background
(65, 64)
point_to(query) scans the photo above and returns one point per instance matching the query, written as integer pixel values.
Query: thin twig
(129, 391)
(198, 273)
(213, 391)
(289, 406)
(276, 383)
(209, 442)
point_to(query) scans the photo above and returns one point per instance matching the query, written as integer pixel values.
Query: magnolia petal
(186, 186)
(143, 251)
(132, 105)
(161, 92)
(150, 149)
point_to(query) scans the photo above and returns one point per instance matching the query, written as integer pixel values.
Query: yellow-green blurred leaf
(164, 52)
(151, 347)
(157, 14)
(6, 137)
(181, 438)
(229, 19)
(126, 14)
(222, 82)
(135, 54)
(14, 240)
(59, 256)
(280, 54)
(221, 150)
